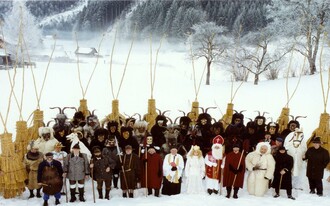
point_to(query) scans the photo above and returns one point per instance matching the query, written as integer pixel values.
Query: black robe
(283, 161)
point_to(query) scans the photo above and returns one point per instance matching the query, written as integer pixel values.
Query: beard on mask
(217, 152)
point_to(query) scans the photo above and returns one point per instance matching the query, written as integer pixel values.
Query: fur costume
(46, 145)
(73, 138)
(261, 170)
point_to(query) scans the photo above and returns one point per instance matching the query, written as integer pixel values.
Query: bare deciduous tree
(303, 20)
(207, 42)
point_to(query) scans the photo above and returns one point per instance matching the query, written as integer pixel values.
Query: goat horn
(299, 117)
(209, 108)
(169, 119)
(137, 115)
(127, 115)
(49, 122)
(165, 112)
(176, 119)
(263, 114)
(258, 113)
(184, 114)
(59, 108)
(271, 119)
(202, 109)
(159, 112)
(64, 108)
(242, 111)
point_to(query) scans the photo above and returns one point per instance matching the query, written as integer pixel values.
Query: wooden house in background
(86, 52)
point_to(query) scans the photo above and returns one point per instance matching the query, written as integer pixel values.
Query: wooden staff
(279, 186)
(218, 170)
(92, 174)
(122, 166)
(66, 191)
(146, 168)
(239, 164)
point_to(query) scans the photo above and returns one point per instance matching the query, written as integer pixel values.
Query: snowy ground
(174, 90)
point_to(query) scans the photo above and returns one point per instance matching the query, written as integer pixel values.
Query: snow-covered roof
(86, 50)
(3, 53)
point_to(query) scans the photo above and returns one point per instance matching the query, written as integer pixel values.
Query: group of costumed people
(109, 151)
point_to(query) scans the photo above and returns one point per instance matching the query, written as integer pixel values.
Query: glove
(145, 161)
(160, 173)
(232, 169)
(174, 168)
(214, 164)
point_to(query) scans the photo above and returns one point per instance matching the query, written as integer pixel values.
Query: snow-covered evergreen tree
(19, 23)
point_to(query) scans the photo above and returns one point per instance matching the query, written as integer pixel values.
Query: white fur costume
(43, 145)
(257, 184)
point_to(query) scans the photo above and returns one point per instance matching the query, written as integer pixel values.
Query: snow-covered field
(173, 90)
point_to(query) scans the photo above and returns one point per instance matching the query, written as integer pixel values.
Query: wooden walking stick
(218, 170)
(66, 191)
(239, 164)
(146, 168)
(92, 174)
(279, 186)
(122, 167)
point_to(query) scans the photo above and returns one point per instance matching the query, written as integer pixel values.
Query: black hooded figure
(249, 137)
(260, 122)
(204, 125)
(113, 129)
(272, 128)
(126, 138)
(184, 123)
(292, 125)
(234, 132)
(101, 135)
(236, 126)
(157, 131)
(78, 121)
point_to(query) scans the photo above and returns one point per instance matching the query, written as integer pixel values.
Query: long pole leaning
(239, 164)
(218, 171)
(92, 174)
(66, 190)
(146, 168)
(122, 166)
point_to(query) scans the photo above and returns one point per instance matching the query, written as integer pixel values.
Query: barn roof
(86, 50)
(3, 53)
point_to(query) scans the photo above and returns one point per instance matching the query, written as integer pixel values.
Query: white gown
(195, 172)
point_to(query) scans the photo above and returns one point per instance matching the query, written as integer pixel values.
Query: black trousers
(316, 184)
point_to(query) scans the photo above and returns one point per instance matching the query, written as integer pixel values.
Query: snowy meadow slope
(173, 90)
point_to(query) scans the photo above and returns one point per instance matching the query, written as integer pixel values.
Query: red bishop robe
(213, 172)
